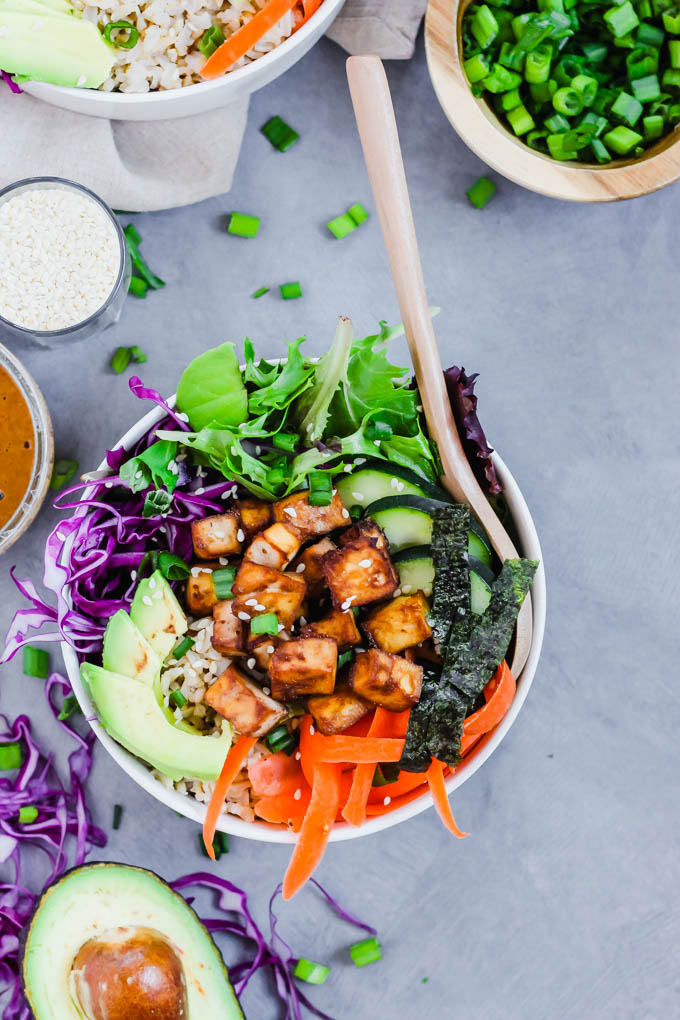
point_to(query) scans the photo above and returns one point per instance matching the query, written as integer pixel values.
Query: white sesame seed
(152, 582)
(303, 621)
(376, 442)
(301, 567)
(419, 407)
(396, 593)
(298, 756)
(348, 468)
(298, 794)
(200, 490)
(359, 496)
(270, 649)
(133, 575)
(243, 616)
(234, 451)
(138, 474)
(394, 482)
(407, 588)
(290, 511)
(219, 533)
(311, 730)
(345, 513)
(400, 486)
(280, 628)
(360, 460)
(266, 690)
(365, 563)
(157, 595)
(146, 600)
(240, 535)
(387, 800)
(251, 602)
(223, 561)
(251, 663)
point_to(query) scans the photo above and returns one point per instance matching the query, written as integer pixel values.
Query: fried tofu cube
(308, 564)
(255, 515)
(250, 711)
(200, 592)
(219, 535)
(229, 634)
(311, 520)
(364, 528)
(256, 577)
(334, 713)
(337, 625)
(386, 680)
(261, 648)
(399, 624)
(286, 604)
(303, 666)
(274, 547)
(359, 573)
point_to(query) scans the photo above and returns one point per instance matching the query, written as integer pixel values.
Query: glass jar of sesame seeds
(64, 265)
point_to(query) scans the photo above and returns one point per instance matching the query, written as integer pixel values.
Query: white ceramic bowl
(208, 95)
(265, 832)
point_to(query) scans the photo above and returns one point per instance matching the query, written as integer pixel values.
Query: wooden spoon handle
(382, 152)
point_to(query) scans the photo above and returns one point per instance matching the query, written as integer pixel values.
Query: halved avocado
(158, 614)
(127, 651)
(109, 940)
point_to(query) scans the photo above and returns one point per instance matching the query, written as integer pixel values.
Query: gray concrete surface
(562, 903)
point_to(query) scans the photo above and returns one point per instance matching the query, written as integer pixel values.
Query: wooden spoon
(382, 152)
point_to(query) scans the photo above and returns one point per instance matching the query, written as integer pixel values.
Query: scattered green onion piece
(280, 134)
(481, 192)
(510, 100)
(621, 19)
(133, 240)
(10, 756)
(621, 139)
(671, 78)
(69, 706)
(211, 40)
(220, 845)
(137, 355)
(260, 291)
(671, 22)
(138, 286)
(385, 774)
(62, 473)
(341, 226)
(223, 581)
(557, 124)
(365, 952)
(173, 567)
(117, 815)
(320, 488)
(652, 127)
(646, 89)
(599, 123)
(290, 290)
(650, 35)
(344, 658)
(595, 52)
(511, 58)
(177, 699)
(501, 80)
(557, 148)
(129, 41)
(242, 225)
(36, 662)
(27, 814)
(543, 91)
(286, 441)
(282, 740)
(600, 151)
(520, 120)
(312, 973)
(355, 512)
(537, 140)
(222, 840)
(586, 86)
(476, 68)
(268, 623)
(627, 109)
(358, 213)
(674, 53)
(537, 65)
(120, 359)
(484, 26)
(180, 650)
(568, 102)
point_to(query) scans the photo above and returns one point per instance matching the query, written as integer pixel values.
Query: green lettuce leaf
(292, 378)
(152, 467)
(211, 390)
(310, 412)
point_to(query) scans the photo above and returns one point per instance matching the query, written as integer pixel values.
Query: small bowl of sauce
(26, 449)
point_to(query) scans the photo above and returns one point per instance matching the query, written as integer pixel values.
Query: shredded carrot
(238, 44)
(284, 808)
(354, 810)
(499, 693)
(435, 778)
(406, 782)
(309, 7)
(233, 764)
(275, 774)
(383, 809)
(359, 749)
(316, 827)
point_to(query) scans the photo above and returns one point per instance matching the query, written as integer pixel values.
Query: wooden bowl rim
(482, 131)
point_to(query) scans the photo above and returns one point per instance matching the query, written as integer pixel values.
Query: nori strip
(451, 587)
(415, 757)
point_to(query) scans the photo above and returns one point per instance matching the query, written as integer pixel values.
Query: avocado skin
(103, 865)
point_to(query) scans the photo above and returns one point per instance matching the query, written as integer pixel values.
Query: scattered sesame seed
(396, 593)
(298, 794)
(365, 563)
(259, 607)
(223, 561)
(280, 628)
(359, 496)
(290, 511)
(348, 468)
(226, 494)
(243, 616)
(251, 602)
(407, 588)
(138, 474)
(387, 800)
(298, 756)
(200, 490)
(394, 482)
(152, 582)
(311, 730)
(400, 486)
(240, 535)
(258, 451)
(301, 567)
(303, 621)
(251, 663)
(345, 513)
(360, 460)
(376, 442)
(266, 690)
(146, 600)
(133, 575)
(419, 407)
(270, 649)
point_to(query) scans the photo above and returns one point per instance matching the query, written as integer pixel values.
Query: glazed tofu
(303, 666)
(254, 514)
(250, 711)
(229, 633)
(274, 547)
(334, 713)
(364, 529)
(359, 573)
(308, 564)
(386, 680)
(399, 624)
(311, 520)
(219, 535)
(337, 625)
(261, 648)
(200, 590)
(256, 577)
(286, 604)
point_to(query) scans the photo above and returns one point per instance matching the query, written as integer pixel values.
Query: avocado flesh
(158, 614)
(130, 713)
(100, 897)
(64, 50)
(127, 651)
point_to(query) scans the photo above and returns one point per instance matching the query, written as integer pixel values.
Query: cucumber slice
(479, 545)
(480, 594)
(404, 526)
(416, 575)
(377, 478)
(481, 568)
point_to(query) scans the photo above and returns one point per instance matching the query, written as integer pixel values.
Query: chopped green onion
(222, 840)
(537, 65)
(476, 68)
(120, 359)
(520, 120)
(280, 134)
(358, 213)
(621, 19)
(130, 34)
(286, 441)
(341, 226)
(10, 756)
(367, 951)
(568, 102)
(36, 662)
(173, 567)
(177, 699)
(268, 623)
(220, 845)
(223, 581)
(133, 240)
(242, 225)
(117, 815)
(137, 355)
(671, 78)
(355, 512)
(180, 650)
(27, 814)
(211, 40)
(281, 739)
(345, 657)
(674, 53)
(652, 127)
(69, 706)
(481, 192)
(501, 80)
(312, 973)
(260, 291)
(320, 488)
(621, 139)
(557, 148)
(650, 35)
(484, 26)
(138, 286)
(671, 22)
(62, 473)
(626, 109)
(290, 290)
(646, 89)
(509, 100)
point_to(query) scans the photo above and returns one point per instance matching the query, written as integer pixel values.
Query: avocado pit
(129, 972)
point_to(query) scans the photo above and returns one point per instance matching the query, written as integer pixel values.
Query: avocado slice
(158, 614)
(127, 651)
(62, 49)
(131, 714)
(92, 913)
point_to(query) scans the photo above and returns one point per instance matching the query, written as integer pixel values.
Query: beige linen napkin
(133, 166)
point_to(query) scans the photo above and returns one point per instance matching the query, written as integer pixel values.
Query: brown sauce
(17, 447)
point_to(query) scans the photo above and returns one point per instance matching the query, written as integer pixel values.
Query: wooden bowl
(479, 127)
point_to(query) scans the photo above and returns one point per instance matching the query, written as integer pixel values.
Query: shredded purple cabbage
(12, 85)
(461, 390)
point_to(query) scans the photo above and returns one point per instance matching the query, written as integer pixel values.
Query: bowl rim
(262, 831)
(240, 77)
(487, 136)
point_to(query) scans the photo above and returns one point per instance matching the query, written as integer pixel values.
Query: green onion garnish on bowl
(177, 699)
(365, 952)
(62, 473)
(290, 290)
(311, 972)
(280, 134)
(117, 815)
(211, 40)
(138, 286)
(260, 292)
(126, 35)
(268, 623)
(180, 650)
(242, 225)
(223, 581)
(28, 814)
(10, 756)
(36, 662)
(481, 192)
(320, 488)
(120, 359)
